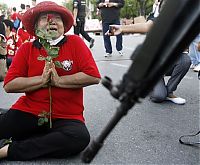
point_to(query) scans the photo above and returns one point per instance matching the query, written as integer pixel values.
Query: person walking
(79, 13)
(48, 120)
(110, 14)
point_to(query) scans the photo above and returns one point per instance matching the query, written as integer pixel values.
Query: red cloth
(14, 16)
(13, 43)
(67, 103)
(24, 35)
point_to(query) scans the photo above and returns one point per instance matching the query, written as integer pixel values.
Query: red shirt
(13, 43)
(14, 16)
(24, 35)
(67, 103)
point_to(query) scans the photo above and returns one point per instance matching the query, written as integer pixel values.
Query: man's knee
(157, 98)
(186, 62)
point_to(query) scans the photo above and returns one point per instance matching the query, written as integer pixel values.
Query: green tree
(134, 8)
(3, 8)
(68, 4)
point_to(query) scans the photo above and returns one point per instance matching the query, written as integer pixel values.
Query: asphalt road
(148, 134)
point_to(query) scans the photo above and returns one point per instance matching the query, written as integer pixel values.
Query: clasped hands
(50, 75)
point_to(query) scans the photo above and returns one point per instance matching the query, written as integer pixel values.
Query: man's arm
(100, 4)
(135, 28)
(119, 4)
(75, 11)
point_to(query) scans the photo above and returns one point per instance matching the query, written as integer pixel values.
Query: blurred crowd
(12, 36)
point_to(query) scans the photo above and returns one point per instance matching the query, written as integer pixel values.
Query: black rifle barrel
(174, 29)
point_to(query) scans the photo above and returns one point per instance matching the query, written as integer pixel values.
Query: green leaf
(46, 46)
(41, 121)
(41, 58)
(58, 64)
(48, 58)
(56, 48)
(40, 33)
(48, 37)
(52, 34)
(8, 141)
(46, 120)
(53, 52)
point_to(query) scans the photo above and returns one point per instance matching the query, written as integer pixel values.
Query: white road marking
(120, 65)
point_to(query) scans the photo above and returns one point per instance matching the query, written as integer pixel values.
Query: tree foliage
(132, 8)
(3, 8)
(68, 4)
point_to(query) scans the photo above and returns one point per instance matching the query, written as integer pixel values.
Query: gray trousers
(176, 73)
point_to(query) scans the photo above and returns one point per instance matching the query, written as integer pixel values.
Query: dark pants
(176, 73)
(8, 62)
(79, 29)
(106, 38)
(30, 141)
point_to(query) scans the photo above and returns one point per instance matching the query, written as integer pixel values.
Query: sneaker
(196, 68)
(192, 66)
(175, 99)
(108, 55)
(91, 43)
(120, 53)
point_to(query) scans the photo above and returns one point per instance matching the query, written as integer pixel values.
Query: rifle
(174, 29)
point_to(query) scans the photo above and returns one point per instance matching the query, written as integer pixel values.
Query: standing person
(23, 9)
(33, 3)
(3, 67)
(110, 14)
(47, 84)
(14, 14)
(28, 7)
(15, 19)
(194, 54)
(79, 12)
(13, 41)
(3, 52)
(161, 91)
